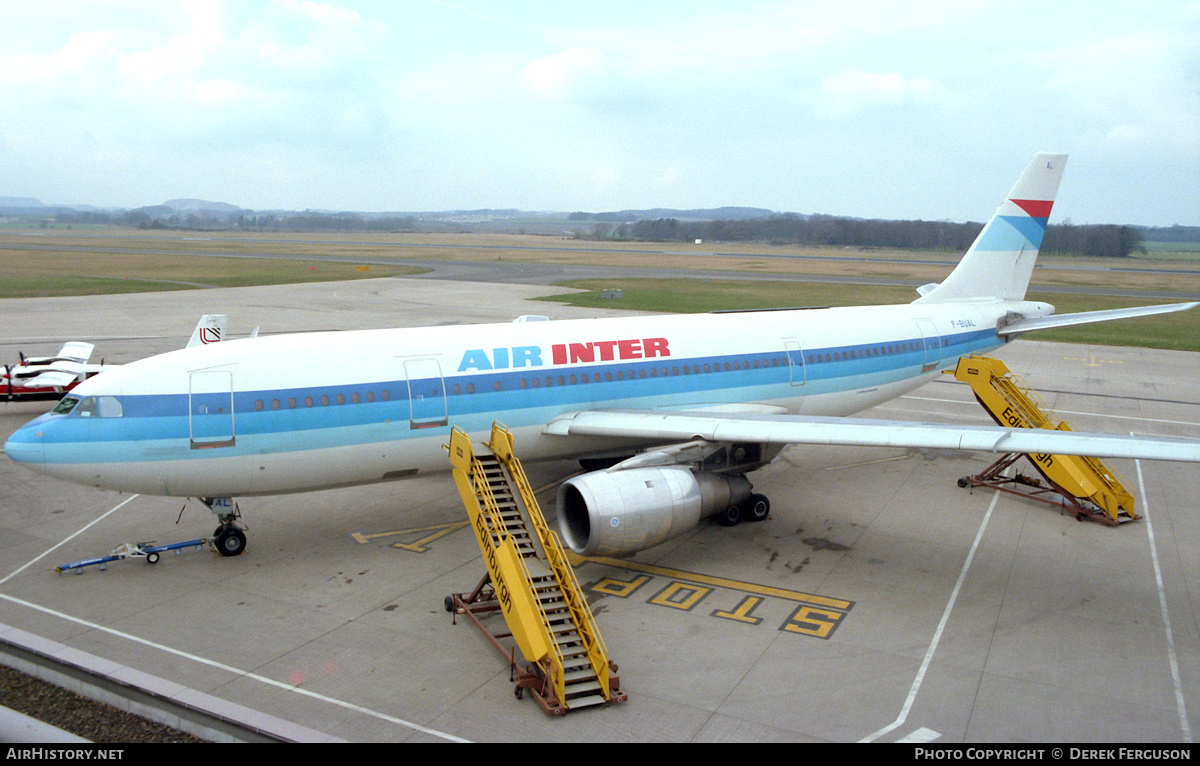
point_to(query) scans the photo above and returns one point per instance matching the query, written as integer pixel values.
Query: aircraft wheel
(730, 516)
(152, 558)
(758, 507)
(230, 541)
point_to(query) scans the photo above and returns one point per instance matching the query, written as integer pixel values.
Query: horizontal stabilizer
(668, 426)
(1087, 317)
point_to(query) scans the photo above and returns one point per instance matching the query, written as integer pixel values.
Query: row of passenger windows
(864, 353)
(324, 400)
(633, 373)
(606, 377)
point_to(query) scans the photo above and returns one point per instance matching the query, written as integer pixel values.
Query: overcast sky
(875, 108)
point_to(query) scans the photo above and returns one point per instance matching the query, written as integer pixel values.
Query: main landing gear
(754, 508)
(229, 539)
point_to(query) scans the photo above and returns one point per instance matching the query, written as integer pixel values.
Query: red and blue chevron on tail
(1000, 262)
(1014, 229)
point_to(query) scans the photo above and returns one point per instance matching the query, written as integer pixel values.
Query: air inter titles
(515, 357)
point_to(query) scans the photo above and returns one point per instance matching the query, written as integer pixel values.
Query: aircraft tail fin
(210, 329)
(1000, 261)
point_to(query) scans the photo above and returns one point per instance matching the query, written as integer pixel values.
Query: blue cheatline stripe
(1012, 232)
(158, 428)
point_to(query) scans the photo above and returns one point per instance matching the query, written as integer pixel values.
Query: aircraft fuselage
(291, 413)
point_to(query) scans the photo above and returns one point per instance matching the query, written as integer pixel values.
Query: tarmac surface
(879, 602)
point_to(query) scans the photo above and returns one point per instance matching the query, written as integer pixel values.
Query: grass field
(116, 261)
(1179, 331)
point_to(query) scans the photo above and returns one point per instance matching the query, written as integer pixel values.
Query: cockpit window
(109, 407)
(66, 405)
(98, 407)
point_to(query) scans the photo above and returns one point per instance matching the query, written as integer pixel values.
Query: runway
(879, 602)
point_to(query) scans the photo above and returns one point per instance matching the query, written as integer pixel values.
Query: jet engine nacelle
(625, 511)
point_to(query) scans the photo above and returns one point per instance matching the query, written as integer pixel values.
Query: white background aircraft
(698, 400)
(49, 377)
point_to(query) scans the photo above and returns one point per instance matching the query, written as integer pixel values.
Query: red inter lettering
(575, 353)
(606, 349)
(563, 353)
(582, 352)
(652, 347)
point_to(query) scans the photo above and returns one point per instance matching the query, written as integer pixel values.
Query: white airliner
(49, 377)
(693, 402)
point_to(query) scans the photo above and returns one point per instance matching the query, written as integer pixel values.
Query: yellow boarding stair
(1085, 484)
(529, 581)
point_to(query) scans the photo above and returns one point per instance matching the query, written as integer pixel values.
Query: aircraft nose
(26, 445)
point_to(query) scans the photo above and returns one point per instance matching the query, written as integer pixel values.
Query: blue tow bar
(137, 550)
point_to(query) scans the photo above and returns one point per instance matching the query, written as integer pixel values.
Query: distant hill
(24, 203)
(199, 206)
(22, 206)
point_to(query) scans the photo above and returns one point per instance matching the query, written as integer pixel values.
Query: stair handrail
(502, 445)
(497, 528)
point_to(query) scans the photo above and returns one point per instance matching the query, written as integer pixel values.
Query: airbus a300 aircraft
(692, 403)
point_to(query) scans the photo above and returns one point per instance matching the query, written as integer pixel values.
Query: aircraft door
(426, 393)
(796, 368)
(932, 344)
(210, 409)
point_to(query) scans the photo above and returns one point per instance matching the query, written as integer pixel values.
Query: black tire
(730, 516)
(758, 507)
(230, 541)
(152, 558)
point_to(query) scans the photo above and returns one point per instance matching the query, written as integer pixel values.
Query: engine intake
(625, 511)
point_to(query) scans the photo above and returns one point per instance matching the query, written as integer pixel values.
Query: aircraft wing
(677, 426)
(64, 373)
(76, 351)
(71, 351)
(1087, 317)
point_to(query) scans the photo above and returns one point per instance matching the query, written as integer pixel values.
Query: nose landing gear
(229, 539)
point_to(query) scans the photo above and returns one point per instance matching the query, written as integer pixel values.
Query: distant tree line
(832, 231)
(159, 217)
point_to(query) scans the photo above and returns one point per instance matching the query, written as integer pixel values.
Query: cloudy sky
(877, 108)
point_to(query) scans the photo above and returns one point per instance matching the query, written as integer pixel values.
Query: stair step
(581, 702)
(581, 674)
(582, 687)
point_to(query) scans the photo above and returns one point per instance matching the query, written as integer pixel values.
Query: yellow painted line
(439, 530)
(719, 582)
(682, 596)
(1092, 361)
(742, 612)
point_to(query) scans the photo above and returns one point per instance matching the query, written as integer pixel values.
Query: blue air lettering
(501, 358)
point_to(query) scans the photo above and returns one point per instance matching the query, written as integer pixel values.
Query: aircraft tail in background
(210, 329)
